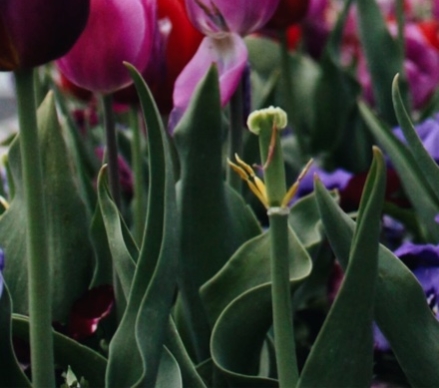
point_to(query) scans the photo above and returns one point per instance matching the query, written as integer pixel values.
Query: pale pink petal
(230, 56)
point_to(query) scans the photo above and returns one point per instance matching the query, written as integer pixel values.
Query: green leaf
(413, 178)
(137, 344)
(123, 261)
(11, 374)
(342, 355)
(401, 309)
(332, 114)
(247, 268)
(423, 159)
(169, 375)
(383, 55)
(238, 298)
(83, 360)
(189, 373)
(67, 222)
(214, 219)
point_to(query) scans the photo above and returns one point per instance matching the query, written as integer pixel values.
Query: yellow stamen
(4, 203)
(254, 183)
(293, 189)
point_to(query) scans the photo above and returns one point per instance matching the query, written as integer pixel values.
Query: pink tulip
(116, 31)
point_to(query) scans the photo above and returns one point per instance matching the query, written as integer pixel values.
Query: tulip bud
(34, 32)
(116, 31)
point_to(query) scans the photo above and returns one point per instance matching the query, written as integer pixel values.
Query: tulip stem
(112, 154)
(236, 133)
(139, 199)
(286, 360)
(267, 124)
(288, 90)
(40, 315)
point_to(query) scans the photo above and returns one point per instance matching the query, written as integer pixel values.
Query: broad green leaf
(342, 355)
(69, 247)
(137, 344)
(423, 159)
(401, 309)
(412, 177)
(84, 361)
(11, 374)
(238, 337)
(304, 218)
(238, 298)
(383, 55)
(250, 267)
(214, 220)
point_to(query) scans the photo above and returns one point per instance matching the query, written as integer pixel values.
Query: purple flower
(428, 132)
(34, 32)
(423, 261)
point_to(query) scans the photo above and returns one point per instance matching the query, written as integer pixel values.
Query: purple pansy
(423, 261)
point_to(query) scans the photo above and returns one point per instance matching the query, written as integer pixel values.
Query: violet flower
(223, 22)
(423, 261)
(34, 32)
(116, 31)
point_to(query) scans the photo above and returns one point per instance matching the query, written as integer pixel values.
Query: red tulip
(33, 32)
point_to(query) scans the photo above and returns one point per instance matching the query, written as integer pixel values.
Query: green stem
(110, 133)
(40, 315)
(236, 134)
(286, 361)
(267, 123)
(139, 202)
(288, 90)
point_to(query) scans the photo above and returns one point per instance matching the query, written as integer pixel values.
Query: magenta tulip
(116, 31)
(33, 32)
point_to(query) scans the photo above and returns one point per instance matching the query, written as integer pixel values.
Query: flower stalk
(39, 278)
(266, 124)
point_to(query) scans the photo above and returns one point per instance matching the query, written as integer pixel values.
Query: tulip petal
(115, 32)
(216, 17)
(230, 56)
(38, 31)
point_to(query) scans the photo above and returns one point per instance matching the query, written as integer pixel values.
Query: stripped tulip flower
(34, 32)
(115, 32)
(223, 22)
